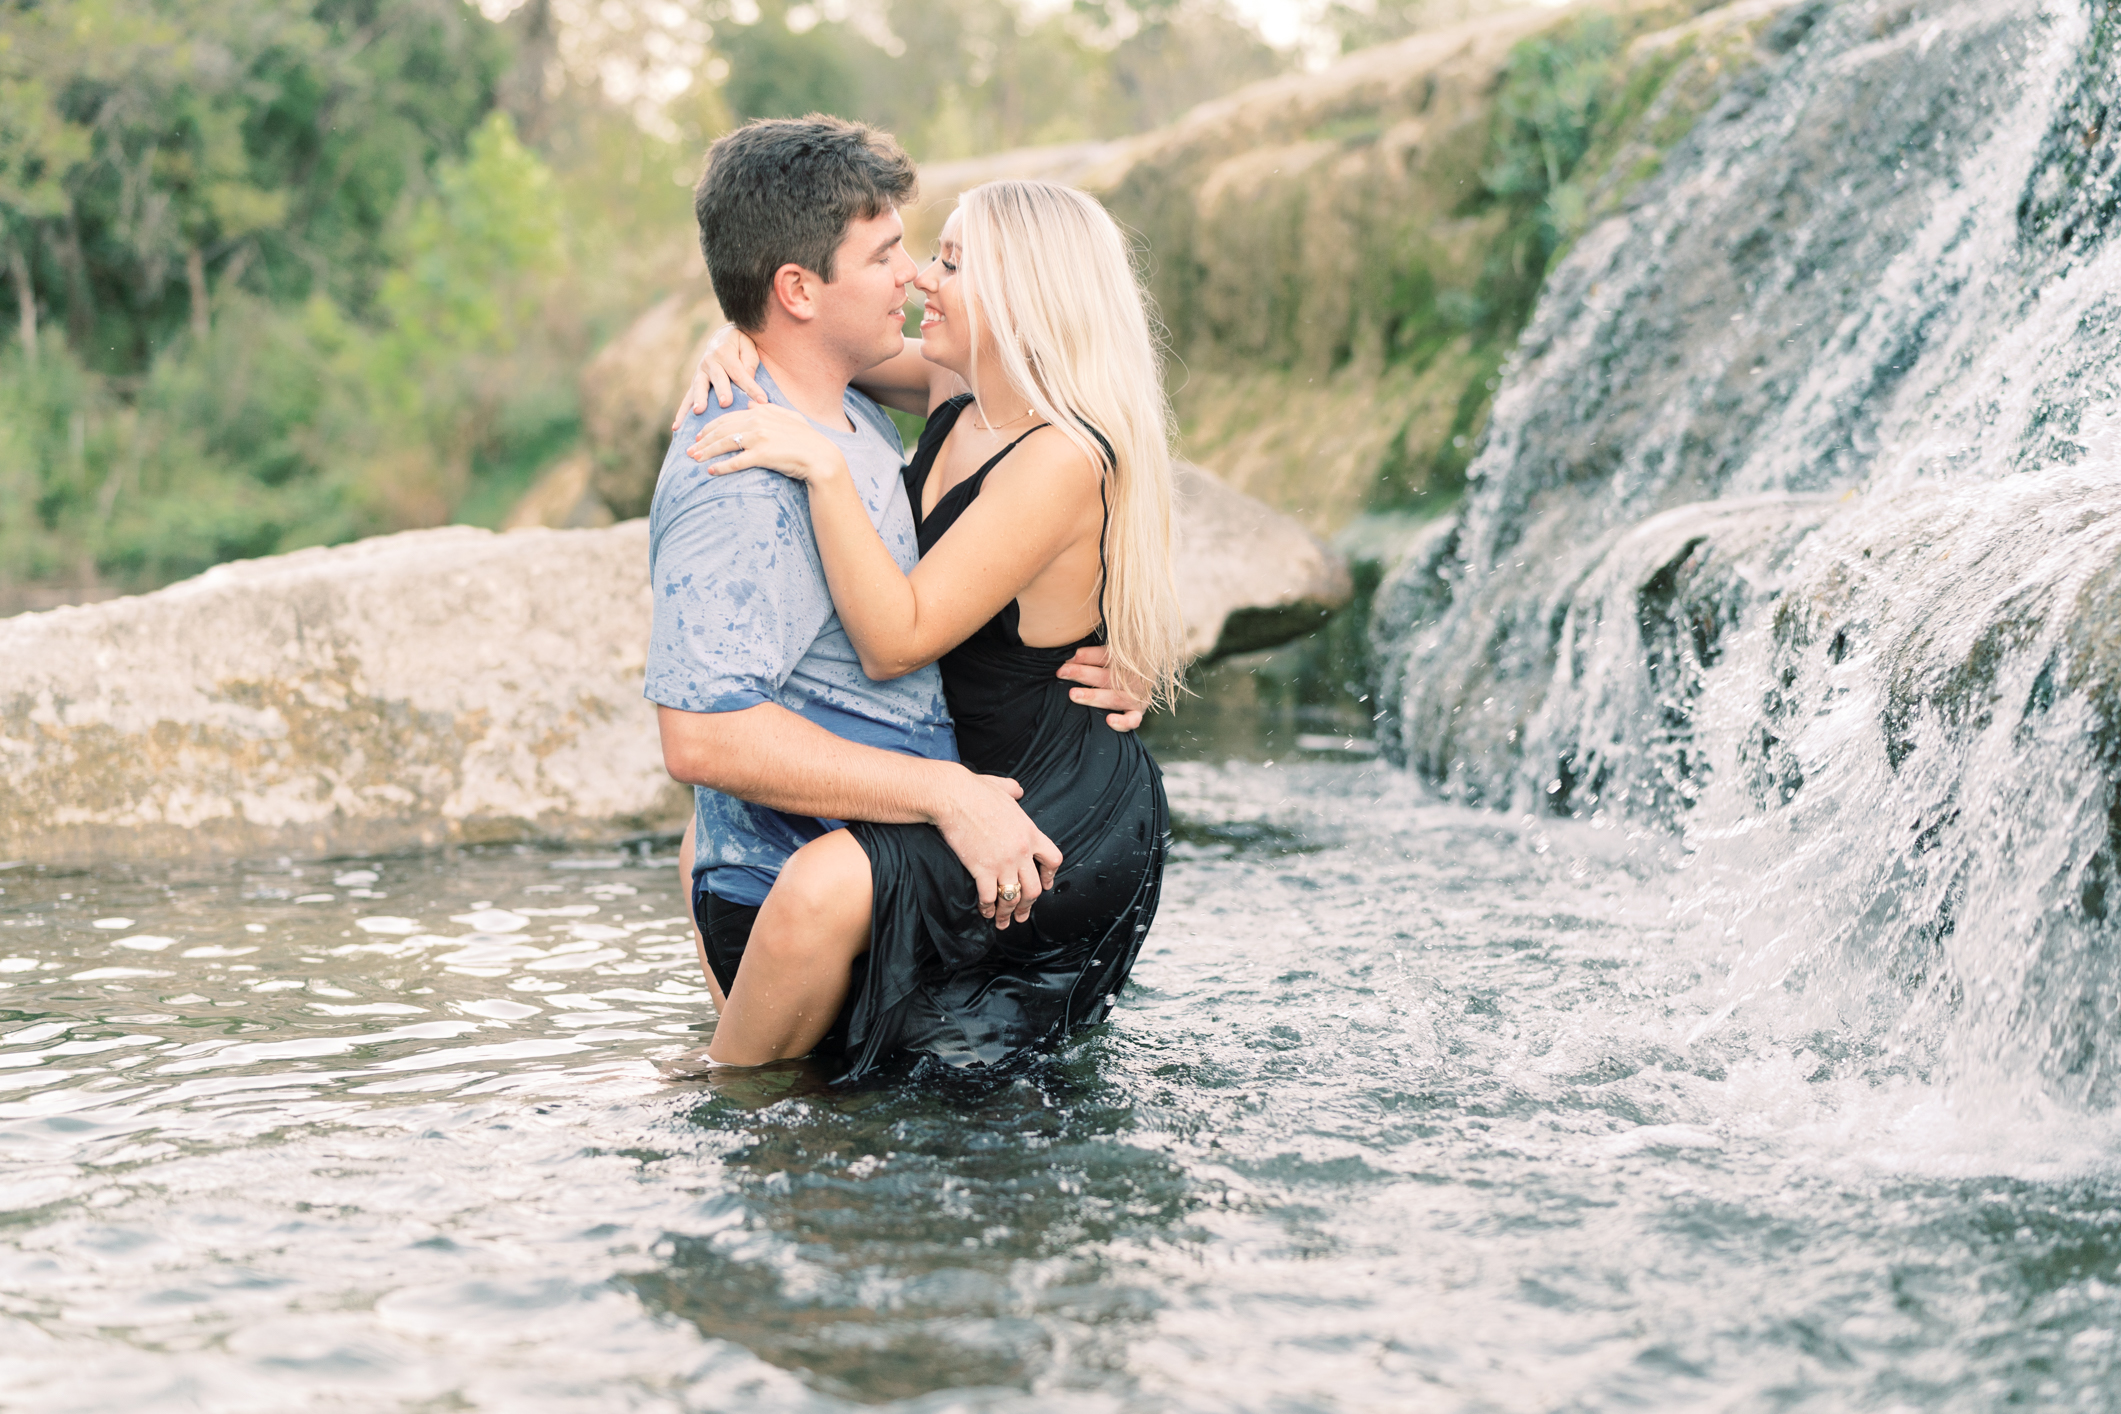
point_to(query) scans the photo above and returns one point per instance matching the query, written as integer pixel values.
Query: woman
(1043, 497)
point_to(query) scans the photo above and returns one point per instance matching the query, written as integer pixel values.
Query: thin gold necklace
(987, 426)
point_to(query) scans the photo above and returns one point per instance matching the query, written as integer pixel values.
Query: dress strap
(978, 478)
(1014, 445)
(1104, 524)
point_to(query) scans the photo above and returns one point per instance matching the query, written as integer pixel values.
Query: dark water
(1401, 1113)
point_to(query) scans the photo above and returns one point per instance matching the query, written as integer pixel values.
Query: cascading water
(1798, 530)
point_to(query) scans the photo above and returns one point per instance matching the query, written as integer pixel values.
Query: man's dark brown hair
(782, 191)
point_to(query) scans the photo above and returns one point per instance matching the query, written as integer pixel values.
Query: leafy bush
(295, 424)
(282, 272)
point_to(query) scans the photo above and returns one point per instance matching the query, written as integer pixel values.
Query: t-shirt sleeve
(739, 593)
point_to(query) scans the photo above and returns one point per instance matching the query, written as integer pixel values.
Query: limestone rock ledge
(406, 691)
(433, 687)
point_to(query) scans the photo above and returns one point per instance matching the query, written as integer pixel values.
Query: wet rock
(1797, 535)
(2072, 199)
(410, 690)
(1588, 697)
(1924, 763)
(1779, 314)
(433, 687)
(1248, 576)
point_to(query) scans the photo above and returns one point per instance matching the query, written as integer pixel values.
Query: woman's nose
(925, 281)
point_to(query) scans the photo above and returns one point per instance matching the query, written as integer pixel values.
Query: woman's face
(946, 324)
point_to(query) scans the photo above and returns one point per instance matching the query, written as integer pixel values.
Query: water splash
(1798, 532)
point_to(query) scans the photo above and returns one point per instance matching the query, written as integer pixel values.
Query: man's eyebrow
(883, 246)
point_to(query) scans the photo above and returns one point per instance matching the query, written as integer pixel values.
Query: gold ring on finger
(1012, 894)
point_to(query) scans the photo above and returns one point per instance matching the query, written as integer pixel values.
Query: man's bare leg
(699, 940)
(800, 959)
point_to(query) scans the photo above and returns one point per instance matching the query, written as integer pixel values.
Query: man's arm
(770, 756)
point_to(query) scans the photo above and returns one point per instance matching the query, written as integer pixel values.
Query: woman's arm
(1032, 507)
(908, 382)
(730, 365)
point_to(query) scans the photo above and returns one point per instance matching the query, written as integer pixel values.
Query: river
(1406, 1108)
(1754, 1051)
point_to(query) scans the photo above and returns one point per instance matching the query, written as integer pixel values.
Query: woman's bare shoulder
(1048, 464)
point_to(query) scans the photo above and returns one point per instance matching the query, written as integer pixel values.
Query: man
(761, 698)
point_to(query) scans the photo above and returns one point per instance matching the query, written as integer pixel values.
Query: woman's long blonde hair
(1071, 329)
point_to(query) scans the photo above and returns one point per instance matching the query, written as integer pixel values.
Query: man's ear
(795, 291)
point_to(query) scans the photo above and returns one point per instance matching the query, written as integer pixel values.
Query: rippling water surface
(1400, 1113)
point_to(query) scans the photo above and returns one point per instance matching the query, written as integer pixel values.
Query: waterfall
(1796, 533)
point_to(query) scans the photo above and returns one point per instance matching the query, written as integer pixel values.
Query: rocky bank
(433, 687)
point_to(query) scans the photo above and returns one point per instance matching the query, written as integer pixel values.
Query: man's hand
(999, 846)
(1091, 667)
(769, 756)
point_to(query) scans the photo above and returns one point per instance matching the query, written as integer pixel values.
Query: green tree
(779, 71)
(955, 78)
(150, 149)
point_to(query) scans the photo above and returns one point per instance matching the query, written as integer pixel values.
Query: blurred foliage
(1359, 24)
(1556, 91)
(285, 272)
(954, 78)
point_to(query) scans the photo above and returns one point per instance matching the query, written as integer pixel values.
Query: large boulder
(1248, 576)
(432, 687)
(410, 690)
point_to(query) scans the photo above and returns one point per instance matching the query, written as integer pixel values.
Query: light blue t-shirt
(742, 616)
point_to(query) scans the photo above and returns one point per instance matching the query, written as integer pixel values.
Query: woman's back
(942, 980)
(1004, 697)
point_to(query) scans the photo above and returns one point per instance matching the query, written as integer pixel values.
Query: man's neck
(819, 393)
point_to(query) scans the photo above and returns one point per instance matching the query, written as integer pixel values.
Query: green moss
(1579, 122)
(1341, 283)
(1422, 476)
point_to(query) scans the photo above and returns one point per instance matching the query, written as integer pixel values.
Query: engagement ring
(1010, 894)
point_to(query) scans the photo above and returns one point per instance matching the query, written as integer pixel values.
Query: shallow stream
(1400, 1113)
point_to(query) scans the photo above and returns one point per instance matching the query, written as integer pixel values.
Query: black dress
(940, 980)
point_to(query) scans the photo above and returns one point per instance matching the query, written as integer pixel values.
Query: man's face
(862, 313)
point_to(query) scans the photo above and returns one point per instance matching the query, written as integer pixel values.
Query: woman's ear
(795, 291)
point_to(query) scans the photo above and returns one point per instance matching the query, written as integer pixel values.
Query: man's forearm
(770, 756)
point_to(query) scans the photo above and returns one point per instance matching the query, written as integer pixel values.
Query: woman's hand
(730, 361)
(1092, 668)
(771, 437)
